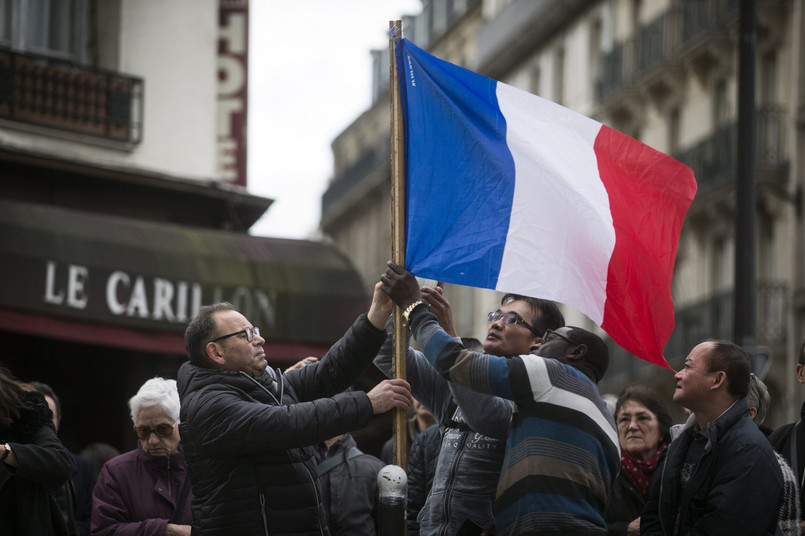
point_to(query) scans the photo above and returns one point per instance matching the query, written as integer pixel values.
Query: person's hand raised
(389, 394)
(381, 307)
(400, 285)
(434, 297)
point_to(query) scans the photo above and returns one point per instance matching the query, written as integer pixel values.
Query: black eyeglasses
(250, 333)
(551, 334)
(162, 430)
(511, 318)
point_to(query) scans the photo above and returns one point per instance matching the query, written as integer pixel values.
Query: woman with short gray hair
(146, 490)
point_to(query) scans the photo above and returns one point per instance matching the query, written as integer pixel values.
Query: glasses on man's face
(553, 335)
(161, 430)
(249, 332)
(511, 318)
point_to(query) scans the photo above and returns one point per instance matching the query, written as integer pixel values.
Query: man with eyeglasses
(562, 449)
(474, 426)
(250, 433)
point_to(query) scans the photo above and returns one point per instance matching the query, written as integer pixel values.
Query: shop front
(95, 304)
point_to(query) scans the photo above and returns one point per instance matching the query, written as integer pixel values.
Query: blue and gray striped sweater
(562, 451)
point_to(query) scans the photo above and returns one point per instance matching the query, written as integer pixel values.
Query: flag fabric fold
(508, 191)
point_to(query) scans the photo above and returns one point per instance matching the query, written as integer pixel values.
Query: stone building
(666, 73)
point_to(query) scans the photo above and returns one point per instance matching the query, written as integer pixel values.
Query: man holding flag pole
(473, 426)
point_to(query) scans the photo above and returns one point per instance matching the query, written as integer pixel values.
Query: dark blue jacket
(736, 488)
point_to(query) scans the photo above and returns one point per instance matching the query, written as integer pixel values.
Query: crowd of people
(509, 435)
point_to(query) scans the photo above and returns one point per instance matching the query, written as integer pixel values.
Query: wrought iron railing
(657, 41)
(39, 90)
(701, 16)
(713, 159)
(615, 71)
(661, 40)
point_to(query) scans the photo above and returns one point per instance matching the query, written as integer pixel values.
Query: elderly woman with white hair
(146, 491)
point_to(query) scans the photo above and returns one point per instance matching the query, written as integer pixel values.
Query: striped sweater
(562, 451)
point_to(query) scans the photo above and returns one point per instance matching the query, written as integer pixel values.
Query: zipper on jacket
(449, 487)
(170, 477)
(264, 388)
(662, 481)
(319, 502)
(263, 512)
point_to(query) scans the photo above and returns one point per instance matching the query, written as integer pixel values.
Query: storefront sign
(134, 296)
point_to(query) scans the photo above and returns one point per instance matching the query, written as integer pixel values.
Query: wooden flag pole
(398, 236)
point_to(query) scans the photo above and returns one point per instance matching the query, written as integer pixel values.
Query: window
(535, 79)
(5, 22)
(559, 76)
(594, 50)
(719, 265)
(55, 28)
(721, 105)
(673, 131)
(768, 78)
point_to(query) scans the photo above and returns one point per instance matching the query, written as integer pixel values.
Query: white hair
(758, 397)
(156, 392)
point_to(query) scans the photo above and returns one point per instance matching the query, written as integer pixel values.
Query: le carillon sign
(154, 277)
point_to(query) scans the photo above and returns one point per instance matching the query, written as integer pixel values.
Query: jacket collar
(174, 459)
(718, 427)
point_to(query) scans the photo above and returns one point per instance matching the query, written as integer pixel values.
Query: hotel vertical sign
(233, 64)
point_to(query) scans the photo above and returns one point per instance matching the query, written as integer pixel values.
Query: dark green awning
(114, 273)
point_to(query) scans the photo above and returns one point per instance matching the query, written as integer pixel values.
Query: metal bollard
(392, 483)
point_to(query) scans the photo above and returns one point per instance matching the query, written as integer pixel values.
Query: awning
(136, 284)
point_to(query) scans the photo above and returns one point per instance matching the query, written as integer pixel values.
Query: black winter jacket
(789, 441)
(625, 505)
(43, 466)
(249, 442)
(737, 487)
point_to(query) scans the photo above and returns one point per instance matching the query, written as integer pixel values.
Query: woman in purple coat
(146, 491)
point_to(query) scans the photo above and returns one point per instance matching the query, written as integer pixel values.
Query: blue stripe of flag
(460, 171)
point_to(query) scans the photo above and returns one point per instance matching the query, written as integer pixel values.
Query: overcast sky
(309, 78)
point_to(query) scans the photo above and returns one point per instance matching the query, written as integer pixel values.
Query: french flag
(508, 191)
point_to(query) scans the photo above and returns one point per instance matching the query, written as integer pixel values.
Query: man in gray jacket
(474, 426)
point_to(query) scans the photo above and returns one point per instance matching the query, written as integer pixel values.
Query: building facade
(124, 204)
(666, 73)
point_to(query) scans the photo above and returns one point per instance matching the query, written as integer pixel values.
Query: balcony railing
(39, 90)
(615, 70)
(657, 41)
(662, 40)
(711, 318)
(713, 159)
(701, 16)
